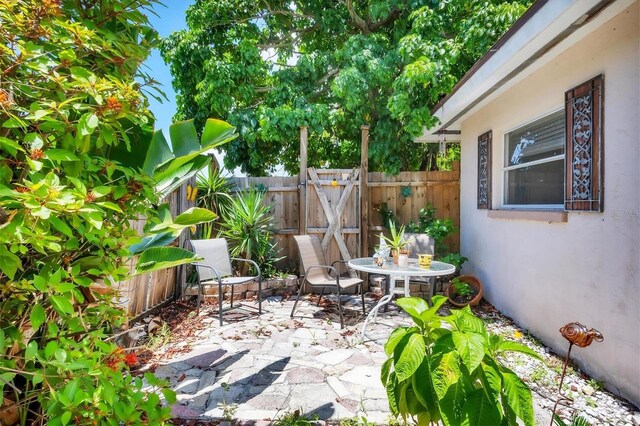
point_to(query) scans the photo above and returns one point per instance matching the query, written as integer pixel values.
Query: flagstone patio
(262, 368)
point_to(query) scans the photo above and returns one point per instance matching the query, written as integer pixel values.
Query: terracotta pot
(474, 283)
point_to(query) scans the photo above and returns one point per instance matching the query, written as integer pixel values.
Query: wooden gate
(333, 211)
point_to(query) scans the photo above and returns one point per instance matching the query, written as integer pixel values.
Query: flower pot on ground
(465, 290)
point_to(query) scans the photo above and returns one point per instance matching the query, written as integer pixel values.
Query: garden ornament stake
(576, 334)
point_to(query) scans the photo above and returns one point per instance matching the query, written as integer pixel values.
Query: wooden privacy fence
(405, 194)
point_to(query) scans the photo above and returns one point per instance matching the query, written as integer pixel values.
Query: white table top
(365, 264)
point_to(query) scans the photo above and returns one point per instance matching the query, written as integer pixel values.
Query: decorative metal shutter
(484, 170)
(584, 164)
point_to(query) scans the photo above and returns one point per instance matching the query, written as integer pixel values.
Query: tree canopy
(271, 66)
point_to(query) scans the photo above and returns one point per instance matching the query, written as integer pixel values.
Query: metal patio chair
(215, 269)
(318, 274)
(422, 244)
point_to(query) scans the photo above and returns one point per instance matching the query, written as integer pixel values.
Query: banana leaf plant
(170, 164)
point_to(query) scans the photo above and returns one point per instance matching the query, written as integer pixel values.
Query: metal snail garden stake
(576, 334)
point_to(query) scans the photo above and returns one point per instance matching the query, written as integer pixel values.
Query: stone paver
(272, 365)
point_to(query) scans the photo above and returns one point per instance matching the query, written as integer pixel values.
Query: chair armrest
(343, 262)
(255, 265)
(204, 265)
(329, 268)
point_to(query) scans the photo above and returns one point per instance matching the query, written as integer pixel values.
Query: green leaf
(156, 258)
(169, 396)
(184, 138)
(414, 306)
(217, 132)
(470, 347)
(61, 155)
(394, 338)
(38, 316)
(411, 357)
(39, 283)
(87, 124)
(61, 304)
(65, 417)
(9, 262)
(466, 321)
(445, 371)
(61, 226)
(451, 404)
(157, 154)
(10, 146)
(480, 411)
(491, 377)
(5, 378)
(385, 370)
(430, 313)
(31, 351)
(518, 396)
(157, 240)
(509, 346)
(392, 395)
(194, 216)
(422, 385)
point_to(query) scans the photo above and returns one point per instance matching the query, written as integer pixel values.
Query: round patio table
(366, 264)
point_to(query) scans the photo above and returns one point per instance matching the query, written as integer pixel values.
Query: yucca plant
(214, 193)
(246, 224)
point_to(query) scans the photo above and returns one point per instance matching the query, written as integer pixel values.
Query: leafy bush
(438, 229)
(79, 162)
(447, 369)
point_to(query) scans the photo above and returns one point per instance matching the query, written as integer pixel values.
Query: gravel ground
(590, 400)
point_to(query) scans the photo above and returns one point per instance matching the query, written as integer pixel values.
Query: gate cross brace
(333, 216)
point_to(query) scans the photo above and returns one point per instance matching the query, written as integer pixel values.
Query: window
(534, 164)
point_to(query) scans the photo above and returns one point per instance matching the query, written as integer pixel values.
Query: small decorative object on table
(424, 260)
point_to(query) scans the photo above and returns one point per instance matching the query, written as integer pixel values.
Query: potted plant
(397, 242)
(465, 290)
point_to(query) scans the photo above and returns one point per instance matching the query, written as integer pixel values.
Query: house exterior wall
(586, 269)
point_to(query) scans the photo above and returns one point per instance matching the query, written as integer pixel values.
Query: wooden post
(302, 184)
(364, 192)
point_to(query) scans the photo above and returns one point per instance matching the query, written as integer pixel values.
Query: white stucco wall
(542, 274)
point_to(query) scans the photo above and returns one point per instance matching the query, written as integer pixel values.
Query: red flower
(131, 359)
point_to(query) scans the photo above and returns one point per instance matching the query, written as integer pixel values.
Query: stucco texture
(586, 269)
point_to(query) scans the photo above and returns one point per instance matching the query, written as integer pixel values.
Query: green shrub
(78, 164)
(446, 369)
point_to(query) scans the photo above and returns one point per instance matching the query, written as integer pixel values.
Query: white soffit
(505, 67)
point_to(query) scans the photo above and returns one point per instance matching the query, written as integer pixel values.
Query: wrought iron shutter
(584, 164)
(484, 170)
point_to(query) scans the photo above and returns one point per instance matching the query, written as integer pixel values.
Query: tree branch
(357, 20)
(392, 16)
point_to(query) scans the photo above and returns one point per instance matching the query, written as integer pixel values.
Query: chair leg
(232, 289)
(260, 296)
(199, 294)
(220, 303)
(320, 298)
(297, 298)
(362, 295)
(340, 309)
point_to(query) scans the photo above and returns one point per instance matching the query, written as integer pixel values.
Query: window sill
(551, 216)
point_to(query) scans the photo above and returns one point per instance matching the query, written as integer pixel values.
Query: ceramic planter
(474, 283)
